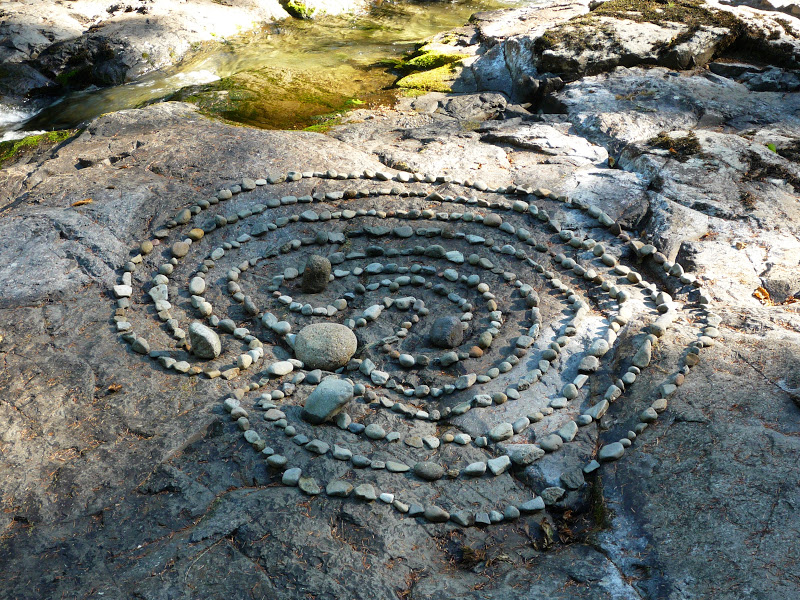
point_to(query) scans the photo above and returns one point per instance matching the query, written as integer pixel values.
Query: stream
(288, 75)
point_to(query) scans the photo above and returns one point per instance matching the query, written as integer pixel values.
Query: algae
(693, 13)
(760, 170)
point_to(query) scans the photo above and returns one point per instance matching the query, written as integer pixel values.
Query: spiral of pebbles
(501, 262)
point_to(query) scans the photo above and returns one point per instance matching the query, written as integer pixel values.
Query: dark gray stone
(316, 274)
(447, 332)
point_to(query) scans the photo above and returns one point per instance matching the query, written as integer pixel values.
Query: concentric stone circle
(487, 259)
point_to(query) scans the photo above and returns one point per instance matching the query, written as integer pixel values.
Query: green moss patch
(325, 123)
(431, 60)
(436, 80)
(13, 149)
(429, 70)
(299, 10)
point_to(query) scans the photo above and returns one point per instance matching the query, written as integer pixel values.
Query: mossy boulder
(432, 68)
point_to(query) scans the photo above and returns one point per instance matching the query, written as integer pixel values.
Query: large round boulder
(316, 274)
(204, 341)
(326, 346)
(447, 332)
(327, 400)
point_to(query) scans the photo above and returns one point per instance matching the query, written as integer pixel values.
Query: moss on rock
(431, 60)
(299, 10)
(13, 149)
(430, 69)
(435, 80)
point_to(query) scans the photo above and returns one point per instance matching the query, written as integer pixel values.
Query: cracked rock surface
(126, 478)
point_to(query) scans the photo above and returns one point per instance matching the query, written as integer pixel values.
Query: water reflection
(339, 52)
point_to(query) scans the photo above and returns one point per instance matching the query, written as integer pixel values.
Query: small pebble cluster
(398, 268)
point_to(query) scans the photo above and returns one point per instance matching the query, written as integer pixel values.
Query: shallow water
(280, 77)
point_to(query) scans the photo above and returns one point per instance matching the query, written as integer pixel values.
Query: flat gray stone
(499, 465)
(589, 364)
(552, 495)
(397, 467)
(568, 431)
(317, 447)
(475, 469)
(327, 399)
(309, 485)
(551, 443)
(524, 454)
(365, 492)
(428, 471)
(609, 452)
(598, 410)
(436, 514)
(204, 341)
(572, 479)
(482, 519)
(341, 453)
(532, 505)
(461, 517)
(360, 462)
(291, 476)
(375, 432)
(501, 432)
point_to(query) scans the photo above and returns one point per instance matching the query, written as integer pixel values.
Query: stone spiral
(540, 285)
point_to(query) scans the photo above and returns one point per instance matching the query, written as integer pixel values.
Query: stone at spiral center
(325, 346)
(316, 274)
(447, 332)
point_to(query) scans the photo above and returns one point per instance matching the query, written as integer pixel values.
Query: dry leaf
(82, 202)
(762, 295)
